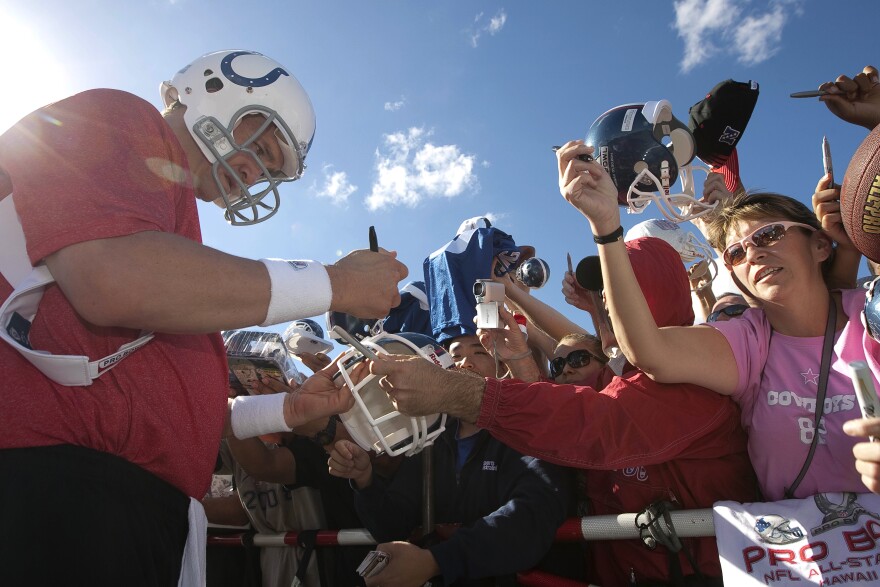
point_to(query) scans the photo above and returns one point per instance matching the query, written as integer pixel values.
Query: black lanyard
(827, 348)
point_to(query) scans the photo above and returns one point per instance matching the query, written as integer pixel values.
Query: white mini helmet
(689, 248)
(305, 336)
(374, 422)
(218, 90)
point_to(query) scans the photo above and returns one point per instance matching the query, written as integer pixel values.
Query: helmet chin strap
(675, 207)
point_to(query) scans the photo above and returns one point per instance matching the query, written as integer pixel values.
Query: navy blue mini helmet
(871, 315)
(645, 150)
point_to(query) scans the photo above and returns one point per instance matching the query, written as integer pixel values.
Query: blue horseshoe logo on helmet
(240, 80)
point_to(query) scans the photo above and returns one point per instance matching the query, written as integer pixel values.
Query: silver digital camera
(489, 296)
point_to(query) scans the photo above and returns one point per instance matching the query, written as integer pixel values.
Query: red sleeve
(632, 421)
(100, 164)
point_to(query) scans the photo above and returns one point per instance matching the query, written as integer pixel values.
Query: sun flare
(33, 76)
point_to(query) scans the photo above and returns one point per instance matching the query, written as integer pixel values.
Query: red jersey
(105, 164)
(641, 442)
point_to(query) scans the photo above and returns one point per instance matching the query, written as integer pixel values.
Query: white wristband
(300, 289)
(253, 415)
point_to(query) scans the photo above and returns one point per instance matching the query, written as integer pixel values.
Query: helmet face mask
(645, 150)
(219, 90)
(374, 422)
(306, 336)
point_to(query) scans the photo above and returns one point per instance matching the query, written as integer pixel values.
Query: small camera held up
(489, 296)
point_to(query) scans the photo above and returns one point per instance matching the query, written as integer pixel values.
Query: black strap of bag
(656, 527)
(827, 348)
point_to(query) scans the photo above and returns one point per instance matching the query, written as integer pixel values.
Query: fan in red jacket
(640, 441)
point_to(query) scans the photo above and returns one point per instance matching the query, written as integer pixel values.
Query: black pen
(586, 157)
(374, 242)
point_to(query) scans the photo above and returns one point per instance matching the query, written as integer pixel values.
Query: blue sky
(459, 101)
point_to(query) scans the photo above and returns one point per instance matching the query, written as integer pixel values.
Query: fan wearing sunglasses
(578, 359)
(640, 441)
(770, 360)
(728, 306)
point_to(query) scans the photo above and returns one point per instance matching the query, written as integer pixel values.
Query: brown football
(860, 197)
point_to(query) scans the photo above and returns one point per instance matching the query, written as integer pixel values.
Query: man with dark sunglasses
(729, 305)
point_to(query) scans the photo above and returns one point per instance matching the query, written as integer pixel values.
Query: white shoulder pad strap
(28, 285)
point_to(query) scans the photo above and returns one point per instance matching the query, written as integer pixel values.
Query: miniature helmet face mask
(688, 246)
(219, 90)
(306, 336)
(374, 422)
(645, 150)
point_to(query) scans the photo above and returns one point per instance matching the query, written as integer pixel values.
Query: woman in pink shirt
(770, 360)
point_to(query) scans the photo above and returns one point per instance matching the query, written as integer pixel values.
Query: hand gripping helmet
(645, 150)
(688, 246)
(374, 422)
(305, 336)
(218, 90)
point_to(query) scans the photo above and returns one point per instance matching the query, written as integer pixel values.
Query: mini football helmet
(645, 150)
(219, 90)
(533, 273)
(374, 422)
(688, 246)
(305, 336)
(871, 313)
(360, 328)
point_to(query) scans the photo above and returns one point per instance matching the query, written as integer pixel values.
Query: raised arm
(826, 206)
(164, 282)
(696, 355)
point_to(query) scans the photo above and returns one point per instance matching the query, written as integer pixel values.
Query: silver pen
(826, 161)
(809, 94)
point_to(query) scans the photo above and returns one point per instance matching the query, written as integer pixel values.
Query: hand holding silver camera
(373, 564)
(489, 296)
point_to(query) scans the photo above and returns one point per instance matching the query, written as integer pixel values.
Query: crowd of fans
(544, 420)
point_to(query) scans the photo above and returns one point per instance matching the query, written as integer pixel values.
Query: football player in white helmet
(244, 91)
(116, 225)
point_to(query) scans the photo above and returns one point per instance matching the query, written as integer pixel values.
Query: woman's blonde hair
(757, 206)
(760, 206)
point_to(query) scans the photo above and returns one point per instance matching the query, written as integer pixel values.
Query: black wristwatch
(609, 238)
(326, 436)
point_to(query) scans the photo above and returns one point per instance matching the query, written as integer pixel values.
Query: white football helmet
(374, 422)
(645, 149)
(218, 90)
(306, 336)
(688, 246)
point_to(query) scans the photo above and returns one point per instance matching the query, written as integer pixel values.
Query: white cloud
(411, 169)
(712, 27)
(496, 23)
(336, 186)
(757, 38)
(493, 27)
(395, 106)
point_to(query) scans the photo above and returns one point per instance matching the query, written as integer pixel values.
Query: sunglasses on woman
(730, 311)
(575, 359)
(763, 236)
